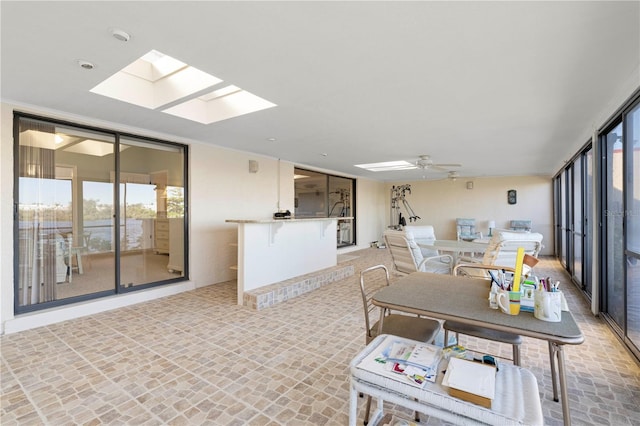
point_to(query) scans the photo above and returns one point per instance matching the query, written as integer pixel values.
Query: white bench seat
(516, 402)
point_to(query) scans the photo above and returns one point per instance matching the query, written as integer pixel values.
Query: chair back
(466, 229)
(423, 234)
(521, 225)
(503, 247)
(406, 254)
(368, 289)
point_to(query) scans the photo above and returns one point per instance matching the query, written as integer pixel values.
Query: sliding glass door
(72, 242)
(573, 195)
(151, 212)
(51, 234)
(632, 215)
(321, 195)
(613, 232)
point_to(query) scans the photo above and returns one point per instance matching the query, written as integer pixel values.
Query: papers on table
(413, 363)
(471, 381)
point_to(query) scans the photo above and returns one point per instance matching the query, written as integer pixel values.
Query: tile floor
(198, 358)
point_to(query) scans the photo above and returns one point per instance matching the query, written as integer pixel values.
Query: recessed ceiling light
(271, 139)
(86, 65)
(121, 35)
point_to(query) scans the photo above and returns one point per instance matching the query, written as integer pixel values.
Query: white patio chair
(408, 256)
(502, 251)
(408, 326)
(521, 225)
(466, 229)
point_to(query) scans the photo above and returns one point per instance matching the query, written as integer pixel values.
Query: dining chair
(515, 340)
(407, 326)
(423, 234)
(466, 229)
(502, 250)
(408, 257)
(523, 225)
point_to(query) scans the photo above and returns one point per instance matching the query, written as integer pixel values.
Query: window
(99, 213)
(322, 195)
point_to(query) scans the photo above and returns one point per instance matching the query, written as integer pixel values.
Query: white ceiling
(504, 88)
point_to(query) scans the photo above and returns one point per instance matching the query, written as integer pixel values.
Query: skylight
(387, 166)
(158, 81)
(220, 105)
(155, 80)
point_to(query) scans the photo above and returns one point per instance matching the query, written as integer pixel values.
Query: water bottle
(493, 296)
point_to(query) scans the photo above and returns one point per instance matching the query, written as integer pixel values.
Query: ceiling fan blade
(448, 165)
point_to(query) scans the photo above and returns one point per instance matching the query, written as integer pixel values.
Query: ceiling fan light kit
(425, 162)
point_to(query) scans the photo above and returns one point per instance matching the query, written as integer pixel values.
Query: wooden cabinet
(169, 239)
(176, 245)
(162, 236)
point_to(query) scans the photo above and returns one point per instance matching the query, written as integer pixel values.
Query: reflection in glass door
(73, 241)
(613, 227)
(564, 227)
(632, 214)
(151, 211)
(321, 195)
(587, 264)
(55, 214)
(341, 202)
(577, 225)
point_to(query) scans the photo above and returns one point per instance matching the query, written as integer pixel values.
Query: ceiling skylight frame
(160, 82)
(386, 166)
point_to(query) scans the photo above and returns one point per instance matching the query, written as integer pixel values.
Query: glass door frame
(117, 288)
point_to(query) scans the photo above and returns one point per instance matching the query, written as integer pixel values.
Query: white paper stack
(471, 381)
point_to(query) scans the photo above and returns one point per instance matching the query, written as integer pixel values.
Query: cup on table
(547, 305)
(509, 302)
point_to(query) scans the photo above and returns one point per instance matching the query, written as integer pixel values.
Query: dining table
(455, 247)
(465, 300)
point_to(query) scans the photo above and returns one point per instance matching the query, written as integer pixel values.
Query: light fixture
(85, 64)
(492, 226)
(120, 35)
(387, 166)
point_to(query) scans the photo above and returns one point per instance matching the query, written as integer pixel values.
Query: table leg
(556, 353)
(563, 385)
(353, 405)
(382, 312)
(552, 364)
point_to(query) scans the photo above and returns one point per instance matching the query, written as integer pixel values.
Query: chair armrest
(444, 258)
(467, 259)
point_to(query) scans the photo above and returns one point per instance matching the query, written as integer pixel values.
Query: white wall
(6, 214)
(221, 188)
(439, 203)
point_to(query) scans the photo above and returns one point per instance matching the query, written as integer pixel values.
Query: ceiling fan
(451, 176)
(425, 162)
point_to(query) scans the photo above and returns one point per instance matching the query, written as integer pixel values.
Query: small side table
(516, 402)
